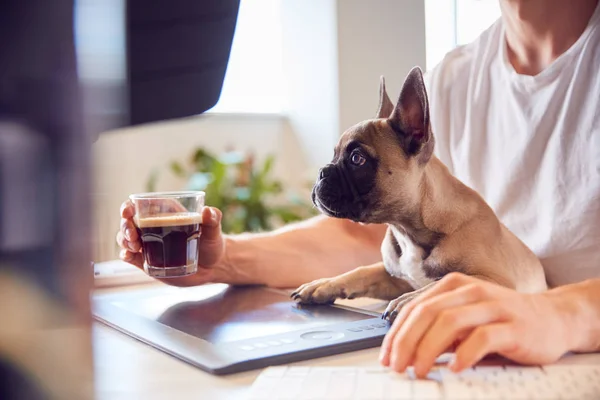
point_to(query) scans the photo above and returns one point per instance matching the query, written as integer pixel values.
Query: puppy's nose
(324, 172)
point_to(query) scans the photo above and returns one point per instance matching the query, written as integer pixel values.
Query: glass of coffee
(169, 225)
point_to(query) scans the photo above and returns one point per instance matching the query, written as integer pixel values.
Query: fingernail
(453, 366)
(419, 370)
(382, 360)
(213, 215)
(128, 233)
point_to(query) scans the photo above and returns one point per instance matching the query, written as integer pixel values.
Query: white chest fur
(410, 264)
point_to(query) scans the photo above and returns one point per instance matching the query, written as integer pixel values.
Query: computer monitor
(143, 61)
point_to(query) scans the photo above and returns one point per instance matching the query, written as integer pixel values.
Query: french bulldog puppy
(384, 171)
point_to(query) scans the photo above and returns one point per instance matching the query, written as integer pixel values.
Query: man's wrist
(240, 261)
(579, 313)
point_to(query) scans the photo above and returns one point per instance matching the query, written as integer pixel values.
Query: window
(452, 23)
(254, 78)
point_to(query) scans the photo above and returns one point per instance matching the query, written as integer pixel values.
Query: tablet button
(355, 329)
(260, 345)
(366, 327)
(287, 341)
(322, 335)
(274, 343)
(247, 348)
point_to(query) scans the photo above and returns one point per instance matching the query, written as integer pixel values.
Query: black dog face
(375, 175)
(346, 187)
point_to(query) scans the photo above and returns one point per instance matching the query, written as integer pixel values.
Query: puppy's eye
(357, 159)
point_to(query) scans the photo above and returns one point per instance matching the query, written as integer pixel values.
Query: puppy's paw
(394, 307)
(321, 291)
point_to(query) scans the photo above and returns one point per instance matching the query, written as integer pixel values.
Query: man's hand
(477, 318)
(211, 248)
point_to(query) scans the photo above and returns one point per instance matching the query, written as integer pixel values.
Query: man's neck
(539, 31)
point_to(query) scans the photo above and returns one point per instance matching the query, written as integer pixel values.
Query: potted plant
(245, 192)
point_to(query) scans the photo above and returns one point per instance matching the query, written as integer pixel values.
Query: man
(516, 117)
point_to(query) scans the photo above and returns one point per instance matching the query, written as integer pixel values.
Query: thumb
(211, 224)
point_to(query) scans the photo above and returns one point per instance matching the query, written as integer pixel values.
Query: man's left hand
(476, 318)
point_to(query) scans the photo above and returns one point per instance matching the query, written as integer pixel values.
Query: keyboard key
(319, 381)
(298, 371)
(370, 385)
(274, 372)
(426, 390)
(455, 390)
(342, 385)
(398, 387)
(289, 388)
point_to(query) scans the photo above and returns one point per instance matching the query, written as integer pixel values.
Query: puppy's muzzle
(332, 193)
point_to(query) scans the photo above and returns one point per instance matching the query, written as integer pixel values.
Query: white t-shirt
(529, 145)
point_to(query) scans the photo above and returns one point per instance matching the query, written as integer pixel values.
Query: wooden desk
(128, 369)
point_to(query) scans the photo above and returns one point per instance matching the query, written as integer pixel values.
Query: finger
(136, 259)
(443, 286)
(129, 231)
(416, 325)
(127, 209)
(449, 282)
(212, 244)
(211, 224)
(448, 328)
(493, 338)
(126, 244)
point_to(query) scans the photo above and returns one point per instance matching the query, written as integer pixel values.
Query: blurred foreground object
(45, 341)
(70, 69)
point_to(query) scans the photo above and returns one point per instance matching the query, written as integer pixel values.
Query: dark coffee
(170, 241)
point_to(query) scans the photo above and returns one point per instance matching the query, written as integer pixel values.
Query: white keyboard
(348, 383)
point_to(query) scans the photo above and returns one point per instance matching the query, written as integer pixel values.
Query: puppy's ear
(410, 118)
(386, 107)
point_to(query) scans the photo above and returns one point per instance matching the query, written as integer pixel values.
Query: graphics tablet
(222, 329)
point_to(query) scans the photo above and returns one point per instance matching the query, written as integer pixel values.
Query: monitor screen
(220, 313)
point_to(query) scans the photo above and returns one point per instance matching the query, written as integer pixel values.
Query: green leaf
(177, 169)
(268, 165)
(151, 183)
(203, 160)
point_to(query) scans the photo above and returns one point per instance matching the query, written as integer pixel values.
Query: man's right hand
(211, 249)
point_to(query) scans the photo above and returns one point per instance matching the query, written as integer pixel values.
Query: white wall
(376, 37)
(311, 74)
(334, 53)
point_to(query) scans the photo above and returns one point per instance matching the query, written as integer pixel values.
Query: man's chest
(537, 163)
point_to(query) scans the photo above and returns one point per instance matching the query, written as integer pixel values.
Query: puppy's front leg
(395, 305)
(370, 281)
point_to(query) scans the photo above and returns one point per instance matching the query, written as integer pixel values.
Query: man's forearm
(298, 253)
(581, 305)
